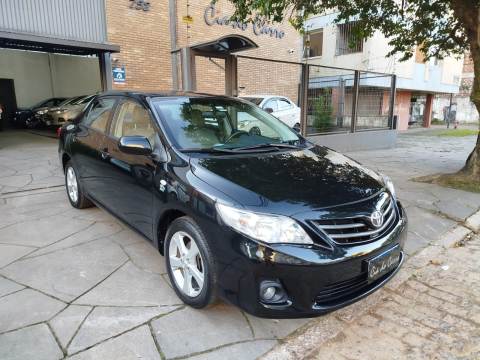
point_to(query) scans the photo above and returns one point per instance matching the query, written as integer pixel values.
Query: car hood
(289, 182)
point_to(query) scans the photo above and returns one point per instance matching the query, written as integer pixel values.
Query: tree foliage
(431, 24)
(439, 27)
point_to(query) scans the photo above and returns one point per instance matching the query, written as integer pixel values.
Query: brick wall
(144, 39)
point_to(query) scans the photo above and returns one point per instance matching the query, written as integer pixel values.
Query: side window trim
(113, 119)
(89, 109)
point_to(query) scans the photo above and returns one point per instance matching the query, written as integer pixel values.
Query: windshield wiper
(207, 150)
(267, 145)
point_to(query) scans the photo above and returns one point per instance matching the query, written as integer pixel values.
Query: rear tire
(190, 263)
(75, 193)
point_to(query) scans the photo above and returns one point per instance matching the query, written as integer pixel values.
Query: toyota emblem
(376, 218)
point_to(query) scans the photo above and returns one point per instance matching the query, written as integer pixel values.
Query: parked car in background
(67, 112)
(23, 116)
(281, 107)
(272, 223)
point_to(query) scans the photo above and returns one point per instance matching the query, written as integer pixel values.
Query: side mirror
(135, 145)
(269, 110)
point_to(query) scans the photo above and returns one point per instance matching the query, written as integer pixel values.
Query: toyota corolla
(259, 217)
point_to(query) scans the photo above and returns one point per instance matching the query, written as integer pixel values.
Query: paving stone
(145, 256)
(10, 253)
(190, 331)
(68, 321)
(135, 344)
(17, 181)
(127, 237)
(274, 328)
(8, 287)
(68, 273)
(474, 222)
(26, 307)
(106, 322)
(41, 232)
(244, 351)
(35, 342)
(130, 286)
(96, 231)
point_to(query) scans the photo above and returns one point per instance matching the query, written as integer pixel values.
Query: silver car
(67, 112)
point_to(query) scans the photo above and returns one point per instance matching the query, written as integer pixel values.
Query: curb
(305, 340)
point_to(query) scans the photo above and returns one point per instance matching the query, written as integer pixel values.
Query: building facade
(458, 107)
(417, 80)
(148, 37)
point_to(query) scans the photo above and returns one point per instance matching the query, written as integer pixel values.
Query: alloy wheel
(72, 185)
(186, 264)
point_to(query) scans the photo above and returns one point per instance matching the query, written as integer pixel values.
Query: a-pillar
(427, 112)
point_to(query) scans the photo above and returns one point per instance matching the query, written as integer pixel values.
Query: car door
(129, 178)
(87, 145)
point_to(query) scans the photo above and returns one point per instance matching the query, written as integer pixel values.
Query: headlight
(61, 111)
(389, 185)
(267, 228)
(41, 112)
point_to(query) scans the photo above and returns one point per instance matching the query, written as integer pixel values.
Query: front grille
(341, 290)
(359, 229)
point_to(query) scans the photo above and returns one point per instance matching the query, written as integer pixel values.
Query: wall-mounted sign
(119, 75)
(140, 5)
(259, 27)
(187, 19)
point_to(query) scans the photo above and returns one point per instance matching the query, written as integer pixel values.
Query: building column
(427, 112)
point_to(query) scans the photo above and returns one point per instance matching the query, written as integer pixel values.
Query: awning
(53, 45)
(226, 45)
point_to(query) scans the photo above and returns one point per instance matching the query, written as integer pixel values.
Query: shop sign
(259, 27)
(187, 19)
(119, 75)
(140, 5)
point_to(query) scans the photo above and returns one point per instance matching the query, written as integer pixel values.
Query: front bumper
(316, 280)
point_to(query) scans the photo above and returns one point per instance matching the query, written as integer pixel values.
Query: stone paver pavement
(78, 283)
(434, 315)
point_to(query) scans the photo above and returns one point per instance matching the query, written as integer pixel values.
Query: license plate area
(383, 263)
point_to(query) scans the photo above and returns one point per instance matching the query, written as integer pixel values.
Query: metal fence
(331, 100)
(341, 100)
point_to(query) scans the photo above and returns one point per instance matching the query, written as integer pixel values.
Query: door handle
(105, 154)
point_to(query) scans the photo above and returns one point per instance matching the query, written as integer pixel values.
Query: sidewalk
(431, 311)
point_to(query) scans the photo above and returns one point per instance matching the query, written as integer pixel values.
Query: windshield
(254, 100)
(220, 123)
(69, 101)
(83, 100)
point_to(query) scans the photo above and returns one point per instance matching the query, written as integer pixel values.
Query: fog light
(272, 292)
(268, 293)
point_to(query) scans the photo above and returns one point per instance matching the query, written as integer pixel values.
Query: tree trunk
(470, 17)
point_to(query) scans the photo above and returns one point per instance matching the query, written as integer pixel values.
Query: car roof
(145, 94)
(264, 96)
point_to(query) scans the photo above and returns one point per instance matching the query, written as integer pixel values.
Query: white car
(281, 107)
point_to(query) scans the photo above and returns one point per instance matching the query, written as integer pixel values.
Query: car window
(284, 104)
(132, 119)
(49, 103)
(272, 104)
(204, 123)
(99, 114)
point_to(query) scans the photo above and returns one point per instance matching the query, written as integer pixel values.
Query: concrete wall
(38, 76)
(366, 140)
(31, 75)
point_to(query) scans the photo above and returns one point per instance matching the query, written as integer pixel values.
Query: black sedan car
(259, 217)
(23, 116)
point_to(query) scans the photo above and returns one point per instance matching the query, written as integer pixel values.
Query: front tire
(74, 190)
(190, 263)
